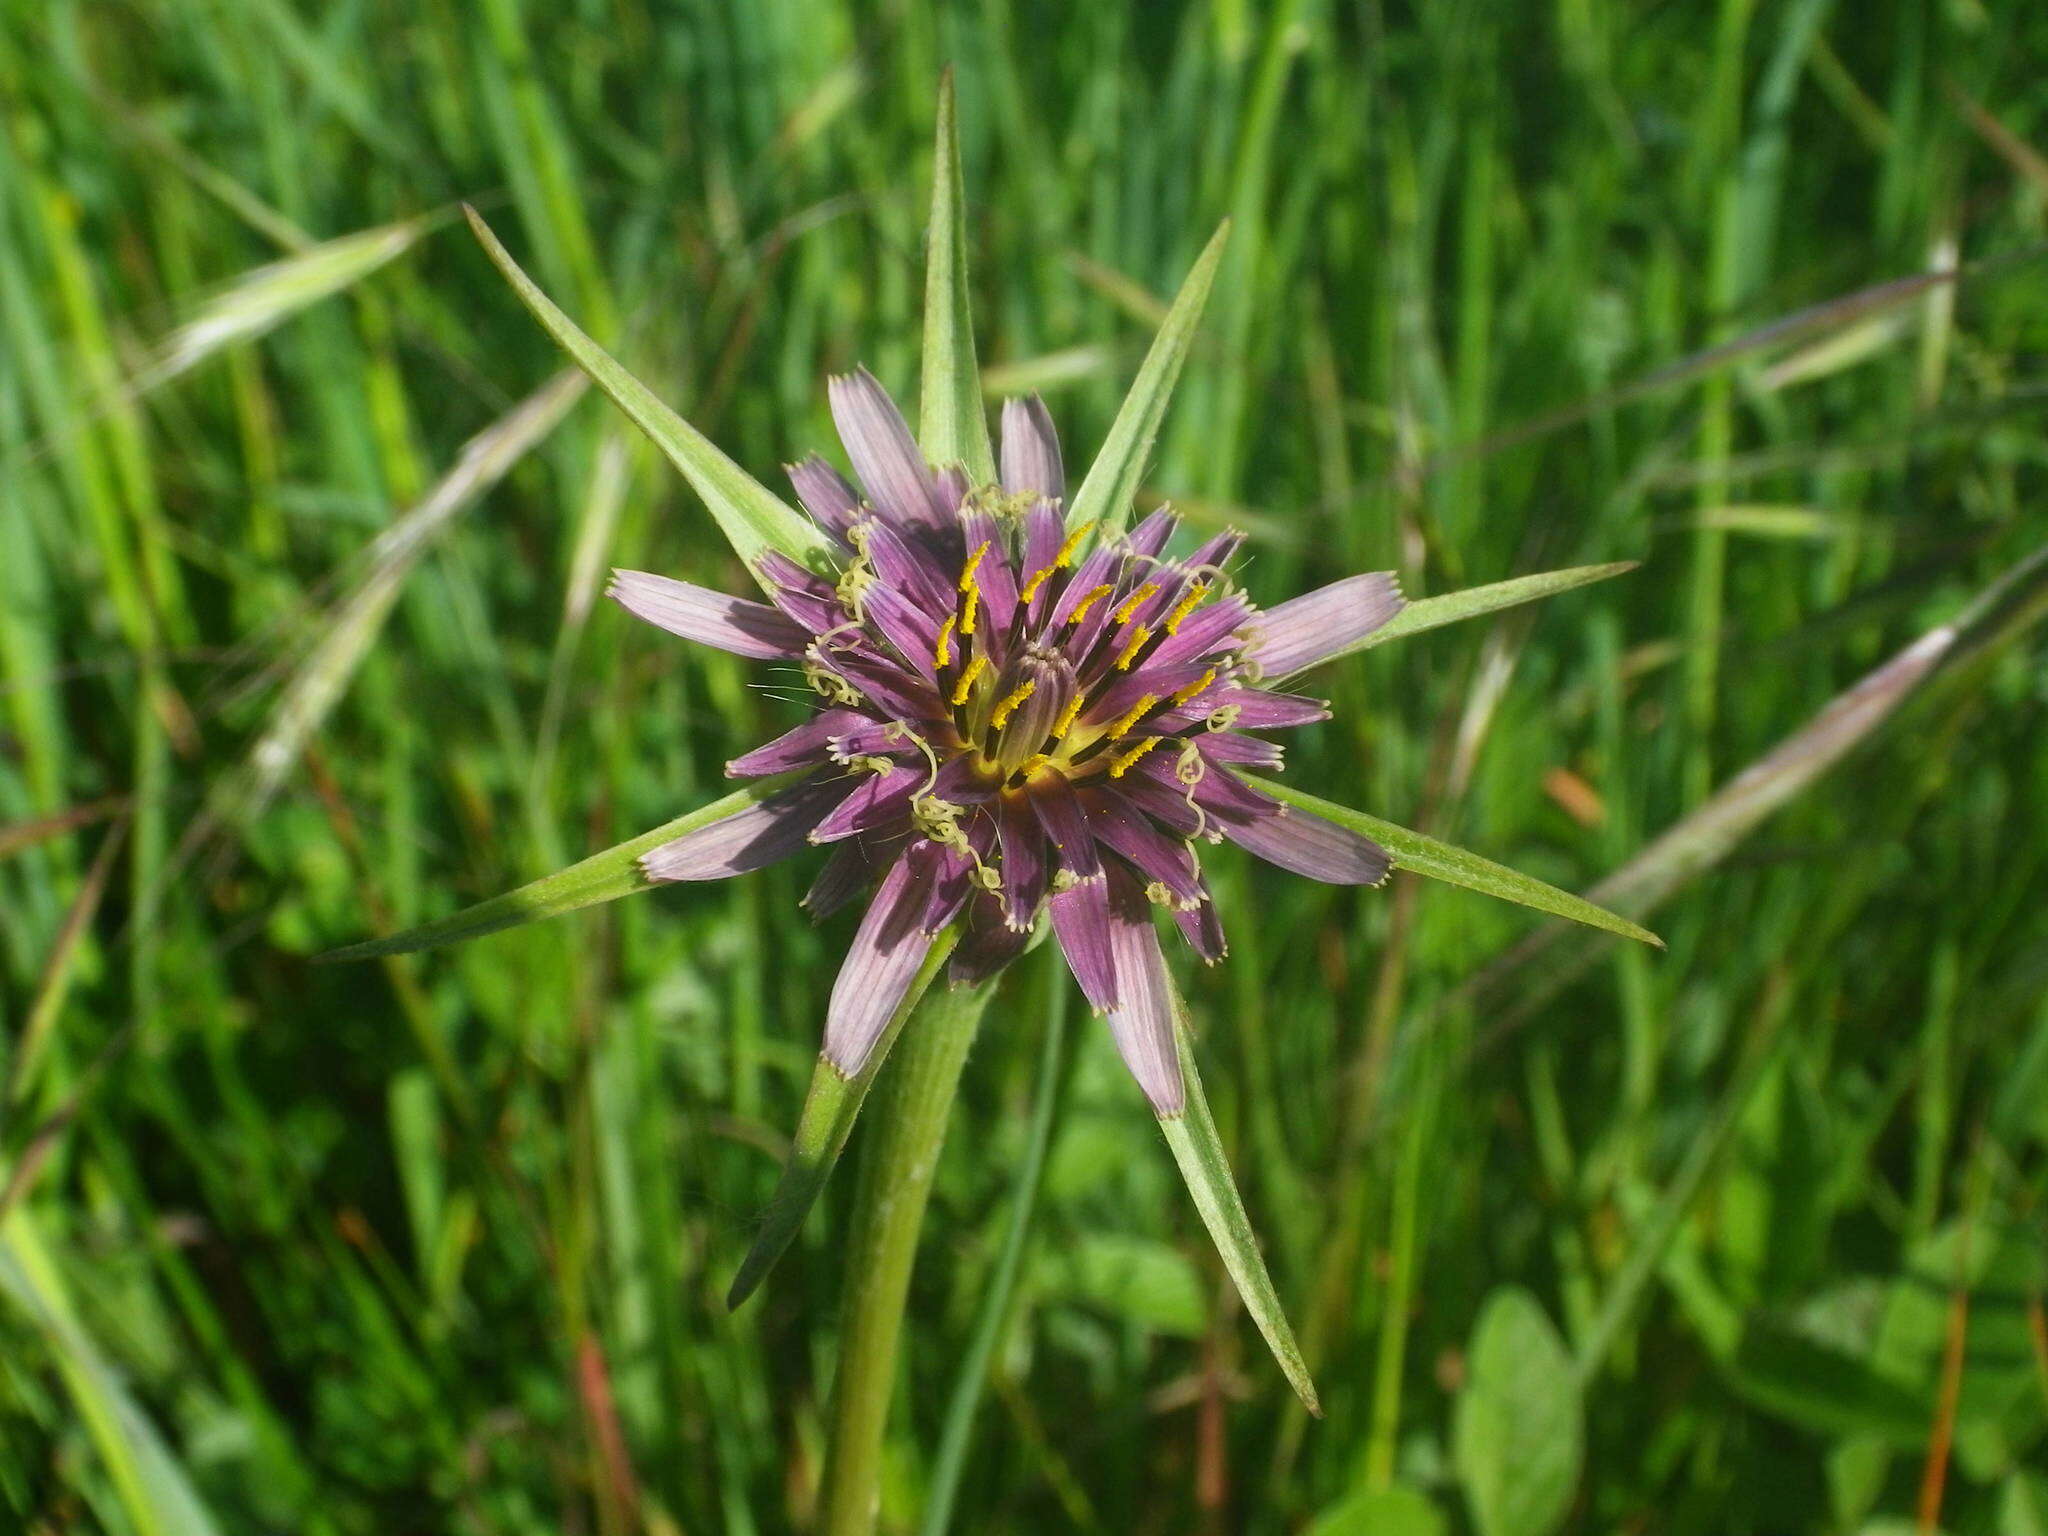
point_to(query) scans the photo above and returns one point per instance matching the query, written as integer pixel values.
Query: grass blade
(319, 680)
(830, 1108)
(952, 421)
(752, 517)
(602, 877)
(1455, 866)
(1106, 494)
(261, 300)
(1199, 1152)
(1451, 607)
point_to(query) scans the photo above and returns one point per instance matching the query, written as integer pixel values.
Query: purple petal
(1165, 802)
(809, 743)
(1134, 837)
(1059, 812)
(1202, 927)
(897, 691)
(1031, 450)
(1023, 861)
(1213, 554)
(1257, 710)
(989, 943)
(847, 873)
(878, 800)
(899, 482)
(1080, 921)
(1316, 626)
(1245, 751)
(809, 599)
(1151, 535)
(748, 839)
(1204, 632)
(1308, 845)
(824, 491)
(909, 567)
(879, 967)
(948, 882)
(1142, 1020)
(711, 618)
(907, 626)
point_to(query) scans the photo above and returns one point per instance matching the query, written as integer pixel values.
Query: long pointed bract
(1199, 1152)
(753, 517)
(1105, 496)
(602, 877)
(952, 425)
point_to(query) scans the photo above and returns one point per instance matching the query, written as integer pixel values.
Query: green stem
(917, 1086)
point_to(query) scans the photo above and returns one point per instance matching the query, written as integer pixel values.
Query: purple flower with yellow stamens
(1017, 721)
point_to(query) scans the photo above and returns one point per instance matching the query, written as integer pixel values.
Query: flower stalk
(917, 1091)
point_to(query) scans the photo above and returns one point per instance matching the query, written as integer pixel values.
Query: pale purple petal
(1213, 554)
(712, 618)
(909, 567)
(1244, 751)
(1258, 709)
(1031, 450)
(1142, 1020)
(748, 839)
(1306, 844)
(879, 967)
(825, 494)
(1316, 626)
(885, 456)
(1204, 632)
(806, 745)
(907, 626)
(1080, 921)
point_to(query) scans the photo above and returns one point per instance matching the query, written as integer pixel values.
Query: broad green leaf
(1518, 1438)
(753, 517)
(830, 1108)
(1199, 1151)
(952, 421)
(602, 877)
(1106, 494)
(1435, 612)
(1395, 1511)
(1441, 861)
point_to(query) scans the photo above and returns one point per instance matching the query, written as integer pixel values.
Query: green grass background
(1748, 1236)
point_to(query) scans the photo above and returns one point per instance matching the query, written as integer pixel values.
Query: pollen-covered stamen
(1122, 726)
(942, 653)
(1187, 605)
(1134, 642)
(1060, 562)
(1026, 716)
(1134, 602)
(1121, 764)
(1194, 689)
(968, 678)
(1008, 704)
(1088, 600)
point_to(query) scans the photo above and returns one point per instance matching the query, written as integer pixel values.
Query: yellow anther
(1032, 764)
(967, 679)
(1095, 596)
(967, 608)
(1136, 643)
(1134, 602)
(1186, 606)
(1137, 713)
(1065, 557)
(942, 654)
(1008, 706)
(1067, 715)
(1195, 687)
(973, 563)
(1031, 587)
(1121, 763)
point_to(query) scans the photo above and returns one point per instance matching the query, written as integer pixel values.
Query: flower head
(1015, 719)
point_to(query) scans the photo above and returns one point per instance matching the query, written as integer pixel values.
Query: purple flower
(1015, 720)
